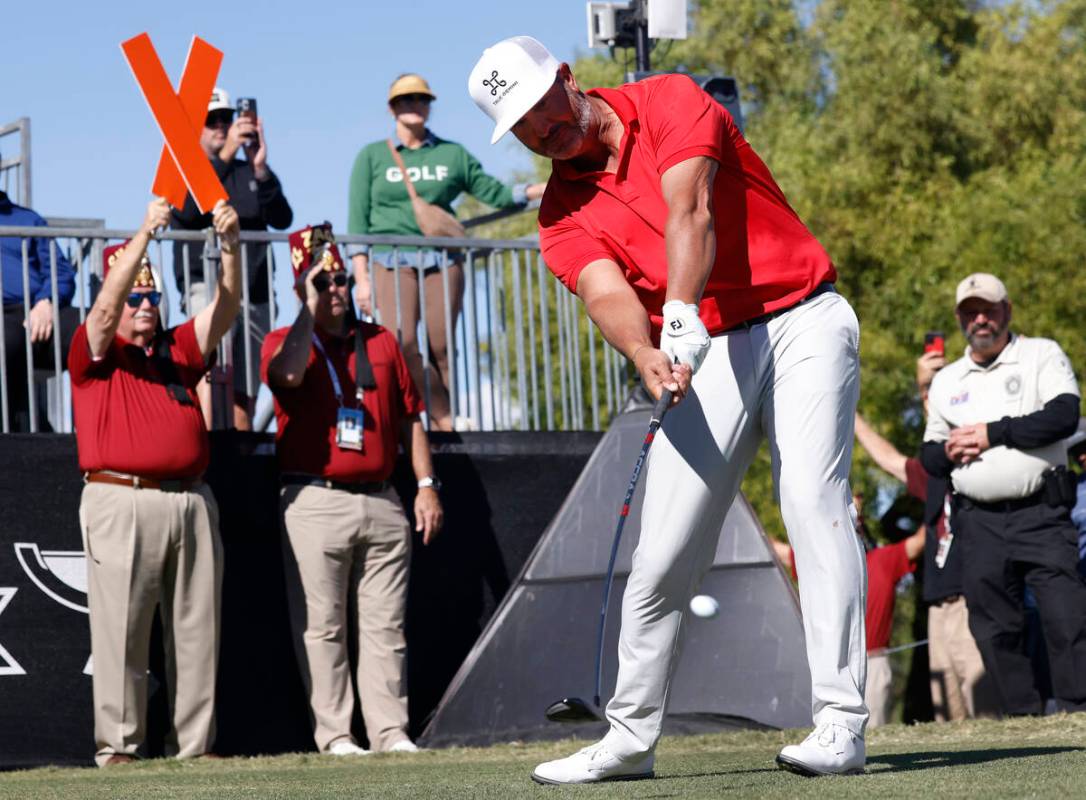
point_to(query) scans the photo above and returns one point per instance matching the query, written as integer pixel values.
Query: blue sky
(320, 74)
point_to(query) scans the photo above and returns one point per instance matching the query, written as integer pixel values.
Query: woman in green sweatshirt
(379, 204)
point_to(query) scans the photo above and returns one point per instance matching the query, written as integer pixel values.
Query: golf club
(574, 709)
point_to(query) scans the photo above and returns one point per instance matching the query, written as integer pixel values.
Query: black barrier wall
(500, 491)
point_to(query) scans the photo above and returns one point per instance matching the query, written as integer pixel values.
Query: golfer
(689, 259)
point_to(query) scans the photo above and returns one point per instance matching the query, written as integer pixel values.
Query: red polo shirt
(766, 258)
(126, 420)
(885, 567)
(306, 438)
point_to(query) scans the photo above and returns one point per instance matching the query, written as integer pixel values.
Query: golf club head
(572, 709)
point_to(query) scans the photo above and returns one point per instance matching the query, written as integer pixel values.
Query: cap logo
(494, 83)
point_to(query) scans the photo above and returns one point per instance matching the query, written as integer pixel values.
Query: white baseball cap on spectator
(509, 79)
(982, 285)
(220, 100)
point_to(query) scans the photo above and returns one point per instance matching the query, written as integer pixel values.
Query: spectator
(150, 524)
(43, 320)
(379, 203)
(257, 195)
(343, 395)
(958, 686)
(997, 420)
(1076, 450)
(886, 566)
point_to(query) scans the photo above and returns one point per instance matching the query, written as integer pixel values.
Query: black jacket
(260, 205)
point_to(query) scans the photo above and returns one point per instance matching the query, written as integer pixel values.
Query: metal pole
(472, 326)
(490, 335)
(4, 425)
(246, 321)
(592, 376)
(32, 406)
(518, 321)
(558, 316)
(424, 340)
(545, 331)
(450, 342)
(82, 282)
(58, 367)
(534, 391)
(641, 36)
(24, 174)
(269, 259)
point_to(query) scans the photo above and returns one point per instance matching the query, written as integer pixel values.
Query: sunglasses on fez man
(135, 300)
(322, 282)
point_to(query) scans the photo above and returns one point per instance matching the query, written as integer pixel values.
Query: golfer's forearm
(691, 252)
(623, 323)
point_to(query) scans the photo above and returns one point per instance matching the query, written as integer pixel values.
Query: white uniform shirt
(1026, 375)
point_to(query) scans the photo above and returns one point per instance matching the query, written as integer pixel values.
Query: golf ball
(704, 606)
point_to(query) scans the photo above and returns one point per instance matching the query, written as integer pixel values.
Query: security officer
(997, 420)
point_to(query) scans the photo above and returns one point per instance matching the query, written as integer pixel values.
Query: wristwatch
(431, 482)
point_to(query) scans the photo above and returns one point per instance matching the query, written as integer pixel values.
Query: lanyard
(332, 372)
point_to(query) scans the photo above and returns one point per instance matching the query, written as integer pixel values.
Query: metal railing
(522, 353)
(15, 170)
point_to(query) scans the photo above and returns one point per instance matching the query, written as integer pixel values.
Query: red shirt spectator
(766, 260)
(306, 415)
(885, 567)
(127, 420)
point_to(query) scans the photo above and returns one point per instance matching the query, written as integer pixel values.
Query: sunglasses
(413, 98)
(135, 300)
(217, 119)
(322, 282)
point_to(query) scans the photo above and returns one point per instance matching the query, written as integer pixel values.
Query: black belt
(365, 487)
(762, 319)
(1003, 506)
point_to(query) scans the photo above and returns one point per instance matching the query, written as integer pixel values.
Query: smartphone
(247, 108)
(934, 342)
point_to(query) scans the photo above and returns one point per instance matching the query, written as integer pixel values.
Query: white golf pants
(795, 380)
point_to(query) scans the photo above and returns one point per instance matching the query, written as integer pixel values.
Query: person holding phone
(379, 202)
(257, 194)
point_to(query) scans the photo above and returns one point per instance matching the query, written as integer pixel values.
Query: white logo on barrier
(61, 574)
(8, 665)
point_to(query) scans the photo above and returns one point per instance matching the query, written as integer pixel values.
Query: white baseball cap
(509, 79)
(220, 100)
(983, 285)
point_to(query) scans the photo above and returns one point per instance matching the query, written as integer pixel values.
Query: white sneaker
(464, 424)
(591, 765)
(404, 746)
(345, 747)
(829, 750)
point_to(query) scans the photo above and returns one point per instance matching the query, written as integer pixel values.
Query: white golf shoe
(593, 764)
(829, 750)
(345, 747)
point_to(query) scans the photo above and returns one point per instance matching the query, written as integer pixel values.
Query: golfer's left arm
(689, 235)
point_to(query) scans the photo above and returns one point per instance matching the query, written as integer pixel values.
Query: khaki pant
(959, 689)
(149, 549)
(340, 545)
(879, 692)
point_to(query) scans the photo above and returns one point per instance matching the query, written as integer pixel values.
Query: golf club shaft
(658, 412)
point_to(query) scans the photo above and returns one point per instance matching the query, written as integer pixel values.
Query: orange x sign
(180, 118)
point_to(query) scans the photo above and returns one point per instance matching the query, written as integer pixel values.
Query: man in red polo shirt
(687, 256)
(150, 524)
(343, 399)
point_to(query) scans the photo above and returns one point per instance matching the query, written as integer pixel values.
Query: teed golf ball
(704, 606)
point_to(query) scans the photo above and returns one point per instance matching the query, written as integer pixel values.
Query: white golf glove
(684, 337)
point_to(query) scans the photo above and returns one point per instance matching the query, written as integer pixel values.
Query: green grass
(1016, 758)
